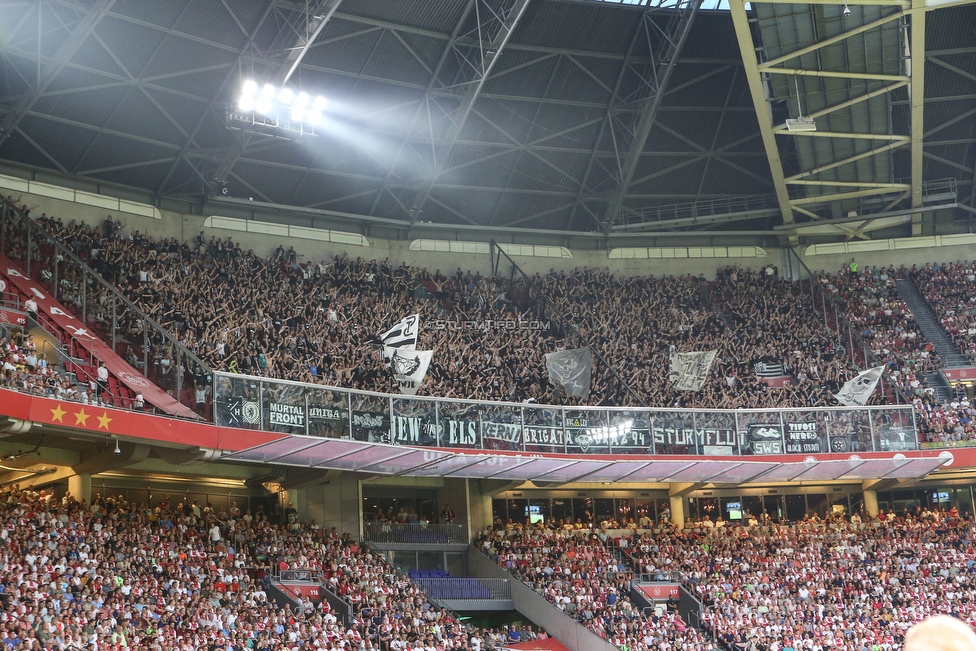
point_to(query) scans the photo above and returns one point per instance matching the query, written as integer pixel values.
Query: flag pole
(497, 254)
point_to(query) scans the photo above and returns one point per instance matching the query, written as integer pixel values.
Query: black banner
(765, 439)
(803, 438)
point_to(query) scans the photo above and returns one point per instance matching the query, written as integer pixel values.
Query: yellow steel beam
(830, 41)
(747, 48)
(840, 74)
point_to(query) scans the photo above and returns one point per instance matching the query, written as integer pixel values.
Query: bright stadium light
(265, 107)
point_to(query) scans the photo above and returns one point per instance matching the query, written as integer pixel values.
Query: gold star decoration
(104, 420)
(81, 418)
(57, 414)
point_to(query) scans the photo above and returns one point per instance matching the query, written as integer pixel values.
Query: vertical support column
(917, 93)
(678, 492)
(80, 487)
(678, 511)
(145, 349)
(871, 502)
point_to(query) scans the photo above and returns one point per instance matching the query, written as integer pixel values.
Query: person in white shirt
(30, 306)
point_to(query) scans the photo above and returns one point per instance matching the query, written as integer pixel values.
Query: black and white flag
(768, 367)
(857, 391)
(690, 370)
(571, 370)
(409, 367)
(403, 335)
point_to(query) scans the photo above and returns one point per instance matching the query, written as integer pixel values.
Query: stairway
(930, 326)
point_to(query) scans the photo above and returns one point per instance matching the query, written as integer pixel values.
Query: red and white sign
(13, 317)
(89, 341)
(660, 591)
(967, 374)
(301, 590)
(778, 382)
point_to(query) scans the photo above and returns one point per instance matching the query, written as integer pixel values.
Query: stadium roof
(608, 117)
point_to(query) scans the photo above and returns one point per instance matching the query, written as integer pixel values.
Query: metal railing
(329, 412)
(466, 588)
(417, 533)
(99, 304)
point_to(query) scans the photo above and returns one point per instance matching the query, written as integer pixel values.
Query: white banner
(690, 370)
(409, 367)
(403, 334)
(858, 390)
(571, 370)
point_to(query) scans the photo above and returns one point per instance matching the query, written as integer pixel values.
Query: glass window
(796, 507)
(499, 511)
(430, 560)
(773, 505)
(604, 509)
(561, 510)
(518, 510)
(583, 510)
(708, 508)
(645, 509)
(539, 511)
(752, 505)
(732, 509)
(625, 511)
(817, 504)
(840, 504)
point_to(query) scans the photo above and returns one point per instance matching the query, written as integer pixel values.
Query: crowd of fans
(318, 321)
(576, 571)
(870, 301)
(111, 575)
(950, 290)
(816, 585)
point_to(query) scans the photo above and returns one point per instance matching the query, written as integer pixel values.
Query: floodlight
(313, 118)
(301, 100)
(319, 103)
(246, 103)
(263, 106)
(250, 88)
(297, 114)
(286, 96)
(268, 92)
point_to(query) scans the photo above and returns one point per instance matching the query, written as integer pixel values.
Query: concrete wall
(908, 257)
(333, 504)
(535, 607)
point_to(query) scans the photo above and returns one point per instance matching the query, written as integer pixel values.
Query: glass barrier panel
(460, 425)
(630, 432)
(587, 431)
(328, 413)
(543, 431)
(893, 430)
(283, 407)
(501, 427)
(849, 431)
(237, 402)
(371, 418)
(414, 422)
(805, 432)
(674, 432)
(759, 432)
(716, 433)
